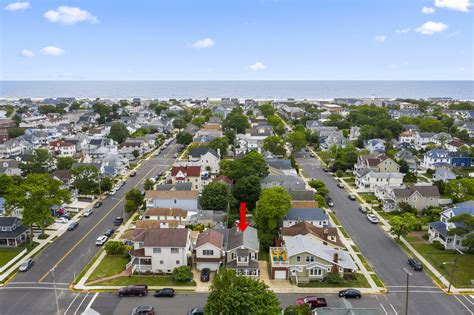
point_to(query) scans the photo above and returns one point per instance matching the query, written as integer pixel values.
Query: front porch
(139, 262)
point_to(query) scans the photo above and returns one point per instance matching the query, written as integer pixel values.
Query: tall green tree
(401, 225)
(272, 206)
(5, 183)
(277, 124)
(148, 184)
(464, 228)
(297, 140)
(184, 138)
(118, 132)
(64, 163)
(219, 144)
(267, 110)
(179, 123)
(231, 294)
(236, 120)
(252, 163)
(86, 178)
(133, 200)
(247, 189)
(215, 196)
(460, 189)
(40, 161)
(35, 196)
(275, 145)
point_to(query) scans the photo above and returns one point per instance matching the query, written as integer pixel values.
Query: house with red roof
(188, 174)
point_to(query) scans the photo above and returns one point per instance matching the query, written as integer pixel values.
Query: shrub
(298, 310)
(437, 245)
(339, 173)
(426, 236)
(333, 278)
(182, 274)
(114, 248)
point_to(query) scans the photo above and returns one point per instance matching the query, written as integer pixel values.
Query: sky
(236, 40)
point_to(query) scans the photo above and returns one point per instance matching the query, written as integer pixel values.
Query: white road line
(28, 288)
(464, 305)
(386, 313)
(72, 302)
(77, 309)
(411, 291)
(472, 298)
(412, 286)
(57, 283)
(393, 308)
(92, 300)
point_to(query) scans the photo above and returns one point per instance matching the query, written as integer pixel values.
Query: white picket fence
(13, 260)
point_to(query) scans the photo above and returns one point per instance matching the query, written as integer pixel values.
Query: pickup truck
(312, 301)
(133, 290)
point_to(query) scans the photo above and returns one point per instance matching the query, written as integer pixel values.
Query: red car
(312, 301)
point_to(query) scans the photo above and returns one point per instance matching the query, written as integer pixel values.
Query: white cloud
(257, 66)
(27, 53)
(380, 38)
(69, 15)
(204, 43)
(428, 10)
(458, 5)
(52, 51)
(402, 31)
(429, 28)
(15, 6)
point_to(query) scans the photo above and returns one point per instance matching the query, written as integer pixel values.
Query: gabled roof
(224, 179)
(198, 152)
(425, 191)
(188, 171)
(302, 195)
(237, 238)
(303, 228)
(210, 237)
(306, 214)
(170, 212)
(172, 194)
(163, 237)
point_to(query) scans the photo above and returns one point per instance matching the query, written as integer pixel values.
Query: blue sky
(237, 40)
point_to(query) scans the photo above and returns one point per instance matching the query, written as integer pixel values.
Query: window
(161, 262)
(175, 201)
(174, 250)
(315, 272)
(309, 258)
(177, 262)
(156, 250)
(298, 258)
(208, 252)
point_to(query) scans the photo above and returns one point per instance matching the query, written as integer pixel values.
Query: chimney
(325, 235)
(335, 259)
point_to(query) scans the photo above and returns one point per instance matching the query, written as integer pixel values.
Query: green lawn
(368, 197)
(364, 262)
(464, 270)
(148, 280)
(377, 281)
(334, 218)
(7, 254)
(344, 232)
(109, 266)
(359, 281)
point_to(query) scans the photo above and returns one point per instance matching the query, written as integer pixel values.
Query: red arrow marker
(242, 224)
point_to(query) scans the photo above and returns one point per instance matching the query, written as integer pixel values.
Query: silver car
(27, 264)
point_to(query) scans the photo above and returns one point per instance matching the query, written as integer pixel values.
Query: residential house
(11, 148)
(454, 145)
(242, 251)
(187, 174)
(12, 232)
(62, 148)
(291, 112)
(408, 157)
(418, 197)
(209, 250)
(256, 136)
(377, 163)
(10, 167)
(422, 139)
(439, 230)
(329, 138)
(375, 146)
(460, 159)
(289, 182)
(354, 133)
(183, 199)
(443, 174)
(165, 214)
(207, 158)
(309, 260)
(160, 250)
(367, 180)
(326, 235)
(315, 216)
(407, 136)
(435, 157)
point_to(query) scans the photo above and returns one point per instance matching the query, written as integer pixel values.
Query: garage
(201, 265)
(280, 274)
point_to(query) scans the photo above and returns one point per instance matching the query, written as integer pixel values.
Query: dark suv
(415, 264)
(133, 290)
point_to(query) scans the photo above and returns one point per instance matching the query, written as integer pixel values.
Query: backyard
(109, 266)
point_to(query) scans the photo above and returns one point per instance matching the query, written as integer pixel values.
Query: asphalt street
(383, 253)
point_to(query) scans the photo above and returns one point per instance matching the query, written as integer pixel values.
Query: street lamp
(408, 280)
(55, 292)
(452, 272)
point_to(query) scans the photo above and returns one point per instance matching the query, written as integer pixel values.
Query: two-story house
(62, 148)
(208, 252)
(422, 139)
(377, 163)
(435, 158)
(242, 251)
(326, 235)
(160, 250)
(418, 197)
(207, 158)
(368, 181)
(187, 174)
(165, 214)
(183, 199)
(375, 146)
(439, 230)
(12, 232)
(315, 216)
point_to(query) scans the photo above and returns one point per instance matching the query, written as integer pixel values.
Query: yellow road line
(90, 231)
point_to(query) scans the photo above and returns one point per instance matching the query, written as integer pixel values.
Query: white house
(207, 158)
(208, 250)
(423, 138)
(368, 180)
(183, 199)
(435, 156)
(375, 146)
(160, 250)
(315, 216)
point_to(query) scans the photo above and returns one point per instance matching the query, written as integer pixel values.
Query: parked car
(312, 155)
(196, 311)
(72, 226)
(325, 169)
(350, 294)
(98, 204)
(329, 202)
(133, 174)
(112, 192)
(340, 185)
(362, 209)
(118, 221)
(205, 274)
(66, 216)
(101, 240)
(372, 218)
(87, 212)
(27, 264)
(133, 290)
(143, 310)
(415, 264)
(312, 301)
(166, 292)
(175, 155)
(351, 197)
(62, 220)
(109, 232)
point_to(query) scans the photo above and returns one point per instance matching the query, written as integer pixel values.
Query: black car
(166, 292)
(109, 232)
(118, 221)
(143, 310)
(66, 216)
(98, 204)
(205, 274)
(133, 290)
(27, 264)
(72, 226)
(415, 264)
(350, 294)
(196, 311)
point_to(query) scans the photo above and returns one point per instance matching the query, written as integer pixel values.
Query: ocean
(463, 90)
